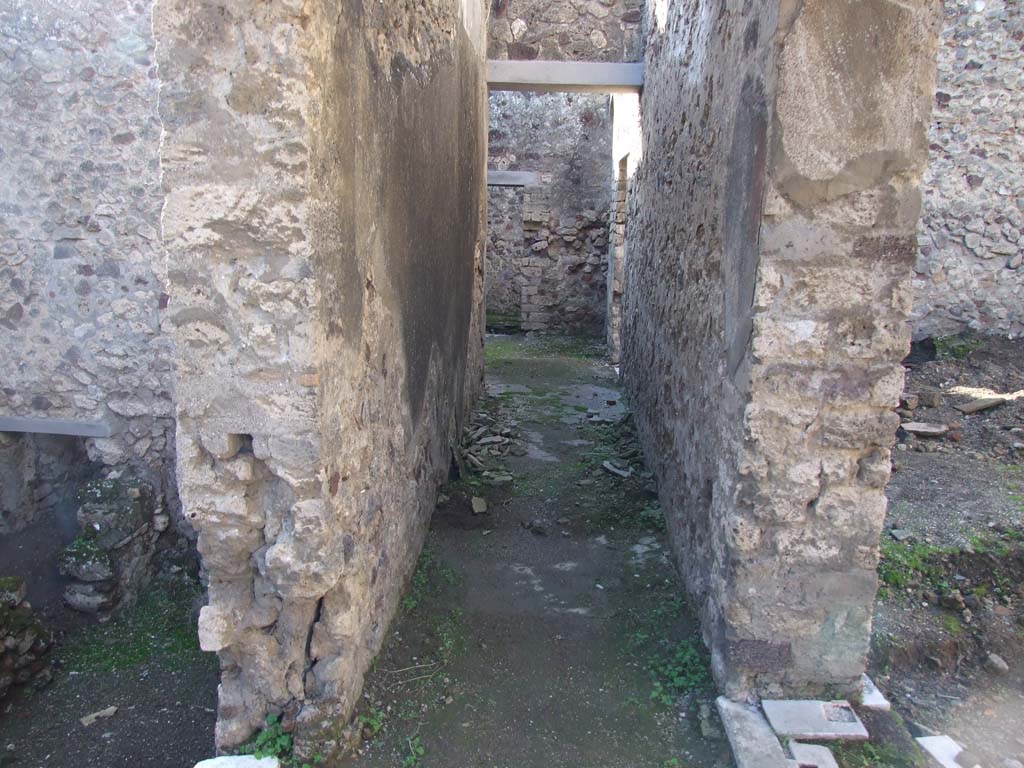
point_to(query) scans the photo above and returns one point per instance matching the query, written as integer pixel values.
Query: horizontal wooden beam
(565, 76)
(44, 426)
(512, 178)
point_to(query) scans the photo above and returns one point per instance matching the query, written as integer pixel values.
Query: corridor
(545, 624)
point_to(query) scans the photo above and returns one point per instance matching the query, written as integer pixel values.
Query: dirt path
(547, 630)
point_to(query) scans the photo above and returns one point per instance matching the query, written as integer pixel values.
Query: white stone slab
(814, 720)
(924, 429)
(565, 76)
(812, 755)
(47, 426)
(872, 698)
(239, 761)
(943, 749)
(751, 738)
(497, 178)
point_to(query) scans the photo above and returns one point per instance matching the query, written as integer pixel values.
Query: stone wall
(771, 242)
(551, 268)
(81, 268)
(505, 253)
(326, 304)
(590, 30)
(970, 273)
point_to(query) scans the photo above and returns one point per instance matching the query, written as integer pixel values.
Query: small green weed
(450, 636)
(429, 571)
(416, 752)
(373, 721)
(273, 741)
(682, 669)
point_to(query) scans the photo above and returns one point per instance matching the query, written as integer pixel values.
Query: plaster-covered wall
(81, 267)
(970, 273)
(771, 240)
(326, 305)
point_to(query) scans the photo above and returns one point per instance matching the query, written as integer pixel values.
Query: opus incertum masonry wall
(771, 240)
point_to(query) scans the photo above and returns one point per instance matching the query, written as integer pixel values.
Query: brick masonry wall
(970, 273)
(81, 268)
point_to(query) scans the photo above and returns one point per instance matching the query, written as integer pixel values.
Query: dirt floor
(545, 625)
(145, 662)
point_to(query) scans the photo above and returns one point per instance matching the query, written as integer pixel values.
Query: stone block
(943, 749)
(814, 720)
(872, 698)
(812, 755)
(754, 744)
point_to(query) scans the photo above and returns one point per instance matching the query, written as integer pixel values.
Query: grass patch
(951, 623)
(677, 665)
(907, 565)
(956, 347)
(503, 349)
(868, 755)
(161, 627)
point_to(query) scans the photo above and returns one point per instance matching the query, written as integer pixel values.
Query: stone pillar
(771, 242)
(326, 308)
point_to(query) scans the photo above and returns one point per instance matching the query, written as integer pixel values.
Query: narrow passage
(545, 625)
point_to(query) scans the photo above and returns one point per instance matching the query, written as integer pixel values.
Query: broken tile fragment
(943, 749)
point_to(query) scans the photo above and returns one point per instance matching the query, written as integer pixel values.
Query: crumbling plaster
(326, 304)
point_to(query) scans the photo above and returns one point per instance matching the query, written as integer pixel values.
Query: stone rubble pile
(111, 560)
(485, 440)
(24, 643)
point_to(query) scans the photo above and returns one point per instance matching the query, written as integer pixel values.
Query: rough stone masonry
(771, 243)
(81, 268)
(325, 302)
(970, 273)
(548, 242)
